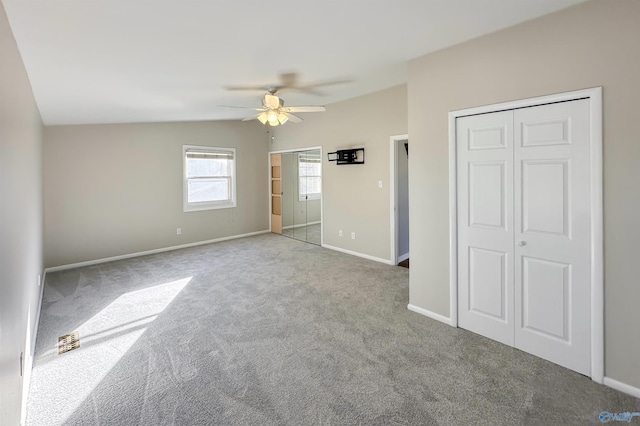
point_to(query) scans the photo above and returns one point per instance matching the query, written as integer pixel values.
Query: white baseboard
(37, 324)
(29, 355)
(154, 251)
(355, 253)
(622, 387)
(429, 314)
(26, 382)
(403, 257)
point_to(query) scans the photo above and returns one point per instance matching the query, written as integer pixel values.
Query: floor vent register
(68, 342)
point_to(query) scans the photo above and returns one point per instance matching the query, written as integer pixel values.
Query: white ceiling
(116, 61)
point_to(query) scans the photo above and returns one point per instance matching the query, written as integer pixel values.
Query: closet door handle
(522, 243)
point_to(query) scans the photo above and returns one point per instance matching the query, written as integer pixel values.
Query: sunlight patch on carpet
(106, 338)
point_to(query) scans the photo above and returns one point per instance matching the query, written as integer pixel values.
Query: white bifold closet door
(523, 194)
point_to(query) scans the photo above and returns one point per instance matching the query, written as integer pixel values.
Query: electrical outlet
(179, 231)
(353, 235)
(340, 233)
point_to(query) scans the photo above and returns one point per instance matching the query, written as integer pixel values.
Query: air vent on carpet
(68, 342)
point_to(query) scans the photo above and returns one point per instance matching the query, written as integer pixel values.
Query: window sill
(197, 207)
(309, 197)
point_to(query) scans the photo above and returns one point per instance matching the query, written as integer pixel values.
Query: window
(209, 177)
(309, 175)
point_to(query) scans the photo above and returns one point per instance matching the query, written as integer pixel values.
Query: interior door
(552, 233)
(310, 175)
(288, 202)
(524, 230)
(300, 201)
(301, 213)
(276, 193)
(485, 225)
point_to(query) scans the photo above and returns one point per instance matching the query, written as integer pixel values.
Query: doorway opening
(399, 199)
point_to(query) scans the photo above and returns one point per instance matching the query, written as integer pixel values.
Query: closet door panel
(552, 233)
(485, 224)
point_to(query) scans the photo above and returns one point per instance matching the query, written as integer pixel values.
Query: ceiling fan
(273, 112)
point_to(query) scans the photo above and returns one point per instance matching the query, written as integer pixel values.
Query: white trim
(392, 201)
(453, 226)
(154, 251)
(429, 314)
(597, 241)
(355, 253)
(597, 238)
(29, 356)
(310, 148)
(37, 323)
(622, 387)
(269, 183)
(208, 205)
(403, 257)
(322, 203)
(393, 196)
(26, 383)
(523, 103)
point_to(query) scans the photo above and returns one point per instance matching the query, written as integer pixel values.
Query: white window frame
(207, 205)
(313, 195)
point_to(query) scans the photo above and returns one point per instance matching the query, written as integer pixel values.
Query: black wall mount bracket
(347, 156)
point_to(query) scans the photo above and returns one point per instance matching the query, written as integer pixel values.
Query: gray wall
(352, 200)
(20, 220)
(592, 44)
(403, 198)
(117, 189)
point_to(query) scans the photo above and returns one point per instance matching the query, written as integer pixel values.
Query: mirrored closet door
(302, 195)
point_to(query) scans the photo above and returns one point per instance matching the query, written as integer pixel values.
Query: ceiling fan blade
(243, 107)
(310, 108)
(311, 88)
(246, 87)
(271, 88)
(293, 118)
(326, 83)
(253, 117)
(289, 79)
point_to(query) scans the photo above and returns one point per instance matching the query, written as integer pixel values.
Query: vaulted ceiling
(116, 61)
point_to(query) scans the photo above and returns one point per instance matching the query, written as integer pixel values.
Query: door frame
(597, 240)
(322, 179)
(393, 196)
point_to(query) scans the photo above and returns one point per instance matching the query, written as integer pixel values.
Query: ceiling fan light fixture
(282, 117)
(272, 118)
(262, 118)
